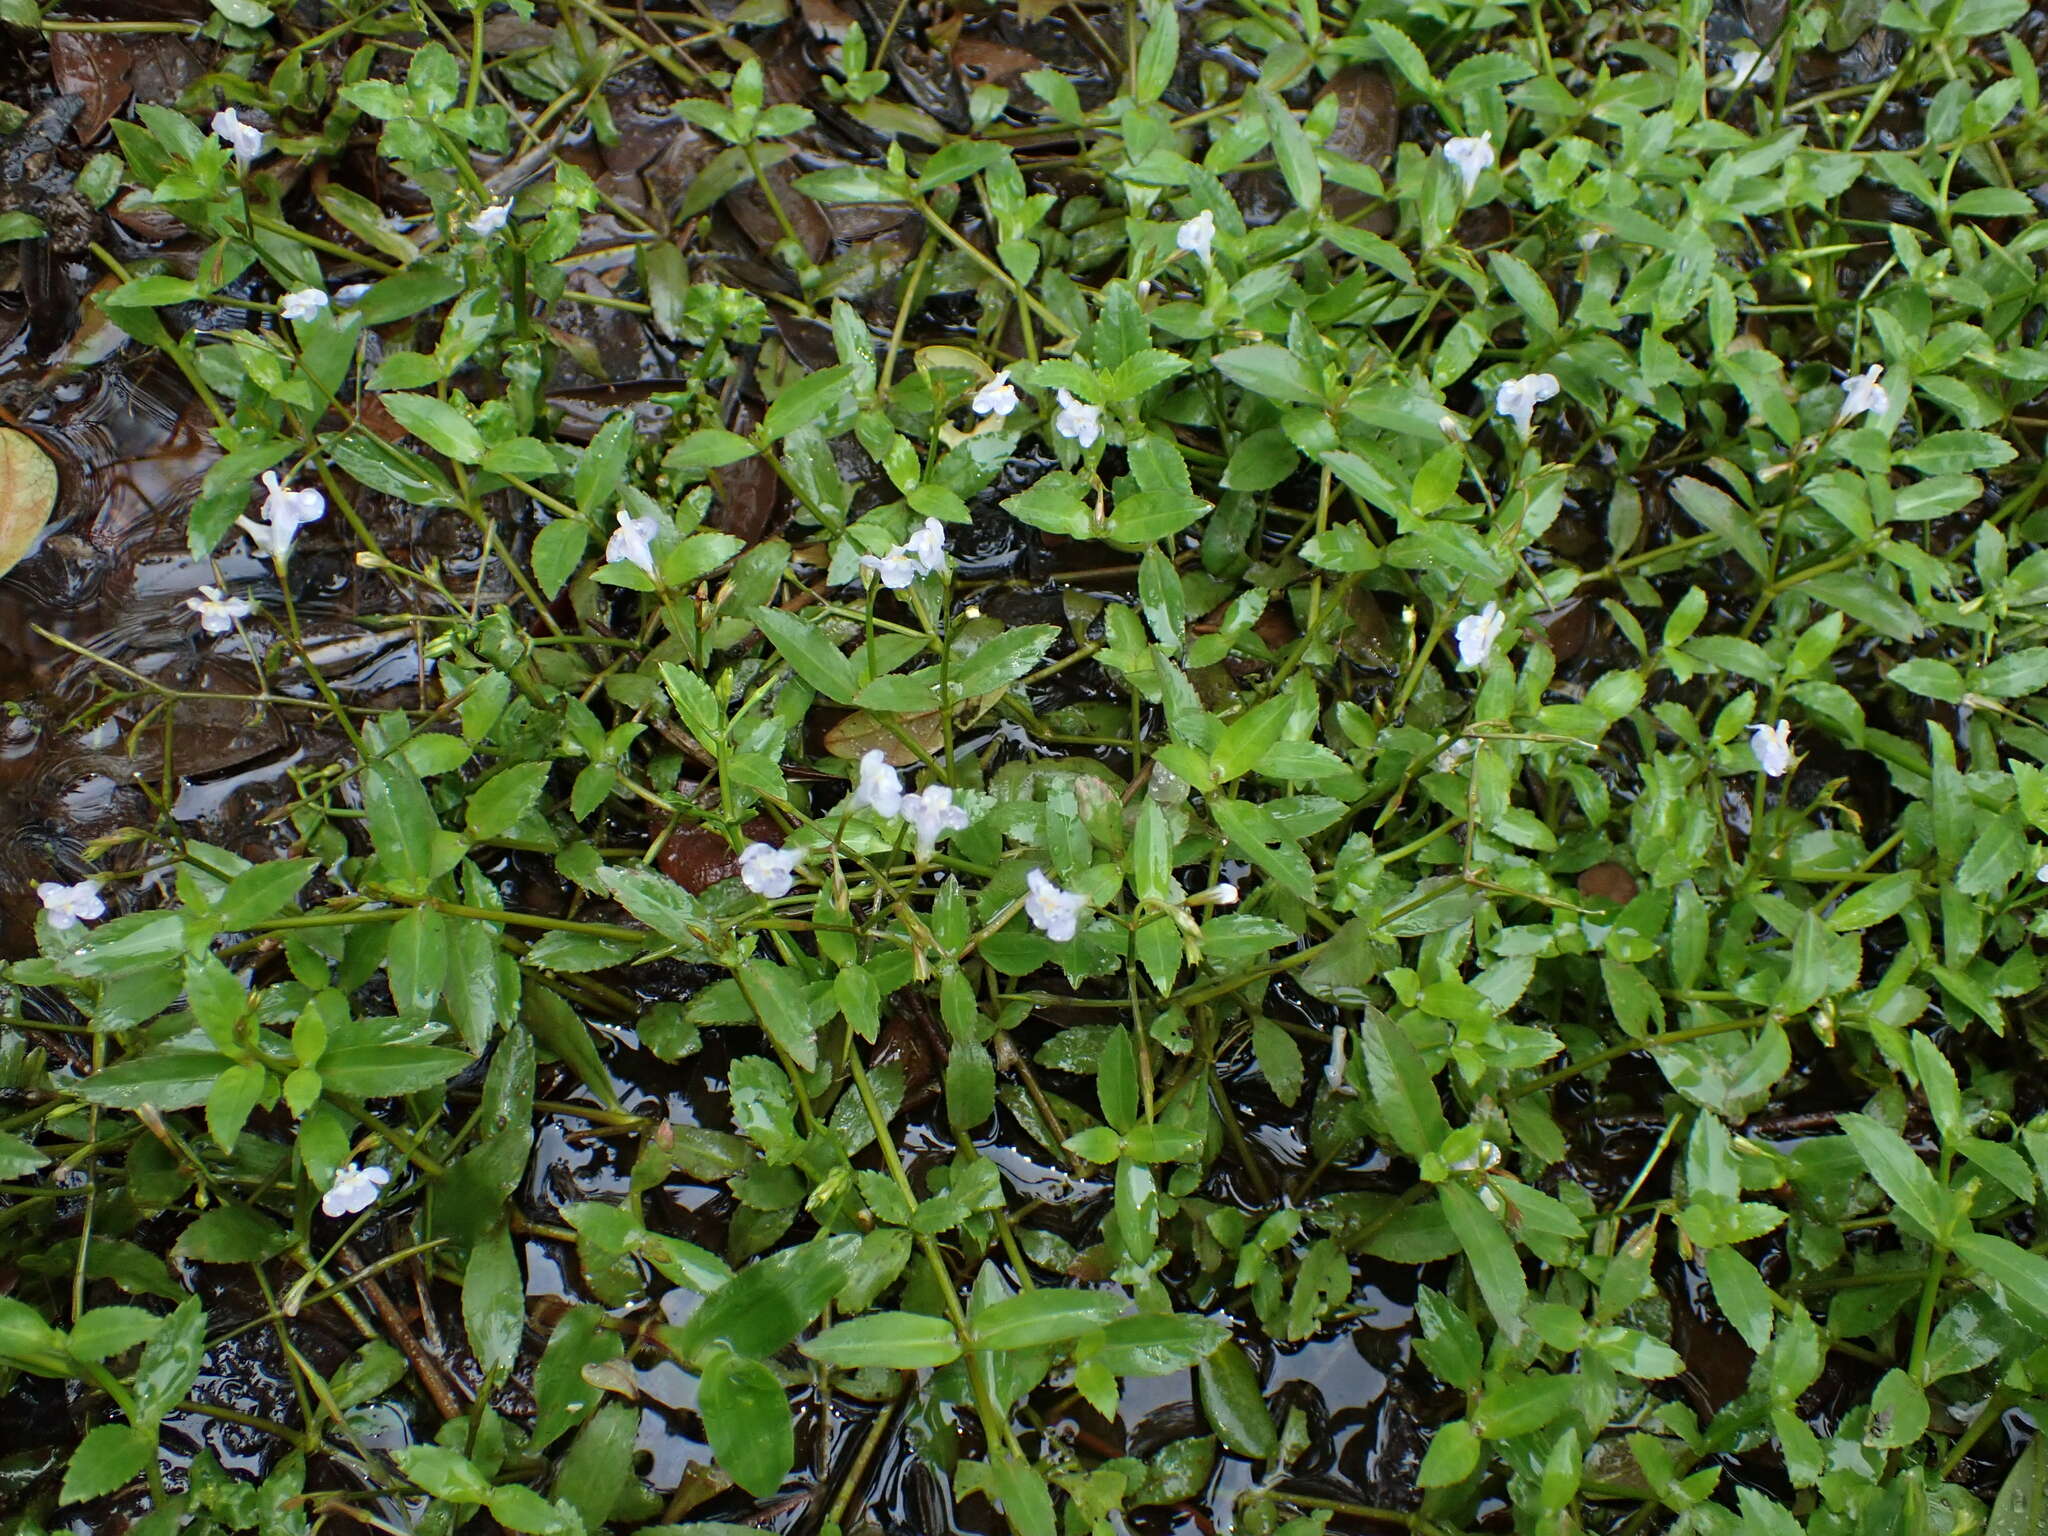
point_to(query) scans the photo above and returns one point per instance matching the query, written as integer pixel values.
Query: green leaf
(385, 1071)
(904, 1341)
(557, 551)
(767, 1304)
(1453, 1456)
(1026, 1503)
(2021, 1508)
(2022, 1275)
(262, 891)
(1231, 1401)
(1040, 1317)
(109, 1457)
(402, 822)
(438, 424)
(780, 1002)
(230, 1234)
(815, 659)
(1403, 1092)
(1717, 512)
(494, 1302)
(170, 1363)
(560, 1029)
(1158, 1344)
(811, 399)
(163, 1079)
(562, 1393)
(999, 662)
(1270, 372)
(1496, 1263)
(1901, 1175)
(598, 1469)
(444, 1473)
(504, 800)
(1292, 152)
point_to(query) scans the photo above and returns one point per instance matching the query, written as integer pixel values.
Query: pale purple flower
(1864, 393)
(285, 512)
(1477, 633)
(922, 554)
(1053, 912)
(767, 870)
(491, 219)
(632, 542)
(998, 397)
(71, 905)
(355, 1188)
(1078, 420)
(245, 139)
(1517, 399)
(1773, 747)
(305, 304)
(285, 505)
(932, 814)
(880, 787)
(895, 570)
(1470, 158)
(1198, 235)
(217, 611)
(927, 546)
(1748, 67)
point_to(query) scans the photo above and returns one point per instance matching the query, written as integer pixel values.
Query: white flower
(2041, 874)
(1864, 393)
(1517, 399)
(880, 786)
(245, 139)
(285, 512)
(304, 304)
(1053, 912)
(767, 870)
(896, 570)
(632, 542)
(1470, 157)
(354, 1189)
(922, 554)
(1078, 419)
(998, 397)
(491, 219)
(1447, 761)
(932, 814)
(217, 611)
(70, 905)
(1198, 235)
(350, 293)
(1477, 633)
(1483, 1159)
(1223, 894)
(283, 505)
(1333, 1069)
(1772, 746)
(1748, 67)
(927, 547)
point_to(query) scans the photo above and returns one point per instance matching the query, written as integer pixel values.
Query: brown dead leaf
(862, 732)
(28, 492)
(697, 858)
(1609, 882)
(96, 67)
